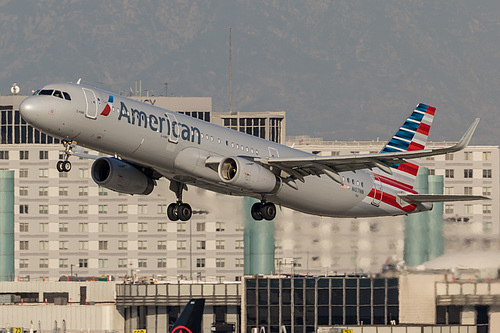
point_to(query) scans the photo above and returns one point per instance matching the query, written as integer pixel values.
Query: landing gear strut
(178, 210)
(263, 211)
(65, 165)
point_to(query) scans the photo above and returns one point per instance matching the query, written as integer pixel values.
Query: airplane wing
(299, 167)
(440, 197)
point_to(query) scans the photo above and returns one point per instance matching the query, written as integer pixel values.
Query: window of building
(103, 245)
(449, 173)
(448, 157)
(468, 190)
(142, 263)
(220, 262)
(24, 155)
(181, 226)
(181, 245)
(23, 263)
(103, 209)
(23, 209)
(200, 245)
(468, 209)
(487, 226)
(83, 227)
(142, 226)
(122, 209)
(162, 245)
(63, 245)
(63, 227)
(63, 209)
(24, 227)
(162, 226)
(44, 154)
(103, 263)
(200, 262)
(83, 209)
(467, 173)
(220, 226)
(43, 173)
(468, 156)
(43, 209)
(200, 226)
(220, 244)
(43, 263)
(43, 227)
(142, 245)
(142, 209)
(449, 190)
(84, 173)
(239, 262)
(103, 191)
(122, 263)
(486, 155)
(23, 173)
(486, 173)
(83, 245)
(63, 191)
(122, 227)
(4, 155)
(449, 208)
(43, 191)
(486, 208)
(487, 190)
(83, 191)
(83, 263)
(122, 245)
(181, 262)
(239, 244)
(63, 174)
(23, 191)
(103, 227)
(24, 245)
(43, 245)
(161, 263)
(162, 209)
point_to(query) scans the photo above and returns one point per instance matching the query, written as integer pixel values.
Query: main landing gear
(178, 210)
(263, 211)
(65, 165)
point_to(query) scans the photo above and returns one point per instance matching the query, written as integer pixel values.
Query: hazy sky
(351, 69)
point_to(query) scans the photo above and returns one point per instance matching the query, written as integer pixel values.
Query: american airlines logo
(168, 126)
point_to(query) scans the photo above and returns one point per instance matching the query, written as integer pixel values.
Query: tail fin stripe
(423, 129)
(415, 146)
(410, 168)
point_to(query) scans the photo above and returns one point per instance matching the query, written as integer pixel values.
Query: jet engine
(120, 176)
(248, 175)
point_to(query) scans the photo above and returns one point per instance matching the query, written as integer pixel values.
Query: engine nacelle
(248, 175)
(120, 176)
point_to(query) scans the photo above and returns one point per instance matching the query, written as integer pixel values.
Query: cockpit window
(57, 93)
(46, 92)
(36, 92)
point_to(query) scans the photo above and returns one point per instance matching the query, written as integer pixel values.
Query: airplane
(190, 319)
(146, 143)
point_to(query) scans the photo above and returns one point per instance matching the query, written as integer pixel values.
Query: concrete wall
(417, 299)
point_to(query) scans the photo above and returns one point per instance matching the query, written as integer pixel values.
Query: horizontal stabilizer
(440, 197)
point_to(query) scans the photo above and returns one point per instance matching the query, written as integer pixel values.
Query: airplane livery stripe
(396, 184)
(424, 129)
(391, 201)
(408, 167)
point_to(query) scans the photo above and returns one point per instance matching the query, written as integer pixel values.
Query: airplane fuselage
(180, 148)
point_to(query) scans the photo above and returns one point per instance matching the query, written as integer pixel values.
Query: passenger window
(66, 96)
(57, 93)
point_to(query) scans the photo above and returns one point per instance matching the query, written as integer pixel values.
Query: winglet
(464, 141)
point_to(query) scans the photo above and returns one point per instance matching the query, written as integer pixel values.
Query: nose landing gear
(65, 165)
(263, 211)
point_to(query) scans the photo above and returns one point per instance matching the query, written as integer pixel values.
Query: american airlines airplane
(148, 142)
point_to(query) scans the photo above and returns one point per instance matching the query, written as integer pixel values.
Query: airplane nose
(29, 109)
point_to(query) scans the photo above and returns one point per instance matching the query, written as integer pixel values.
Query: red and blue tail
(412, 135)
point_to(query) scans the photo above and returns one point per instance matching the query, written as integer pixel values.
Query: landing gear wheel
(59, 166)
(256, 211)
(172, 212)
(66, 166)
(268, 211)
(184, 211)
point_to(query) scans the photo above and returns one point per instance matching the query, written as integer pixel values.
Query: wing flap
(440, 197)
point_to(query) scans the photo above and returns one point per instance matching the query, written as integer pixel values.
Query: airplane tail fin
(190, 319)
(411, 136)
